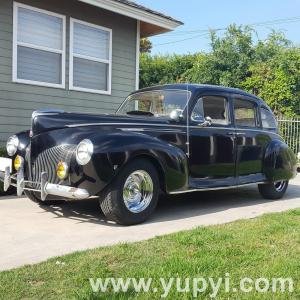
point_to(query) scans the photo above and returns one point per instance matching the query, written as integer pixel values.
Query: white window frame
(137, 57)
(31, 46)
(72, 55)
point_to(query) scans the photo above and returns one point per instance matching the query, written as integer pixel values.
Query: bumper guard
(46, 188)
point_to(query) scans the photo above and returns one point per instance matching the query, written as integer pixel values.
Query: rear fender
(280, 163)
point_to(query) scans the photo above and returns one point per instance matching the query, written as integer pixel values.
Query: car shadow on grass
(172, 208)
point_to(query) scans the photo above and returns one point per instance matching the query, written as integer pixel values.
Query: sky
(199, 15)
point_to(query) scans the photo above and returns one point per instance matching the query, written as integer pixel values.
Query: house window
(90, 57)
(38, 47)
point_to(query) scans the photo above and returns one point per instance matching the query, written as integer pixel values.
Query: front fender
(113, 150)
(24, 141)
(280, 163)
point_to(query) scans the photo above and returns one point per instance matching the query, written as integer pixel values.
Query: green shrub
(3, 152)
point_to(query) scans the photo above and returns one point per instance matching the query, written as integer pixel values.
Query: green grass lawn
(267, 247)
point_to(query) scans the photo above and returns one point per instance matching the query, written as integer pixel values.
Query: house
(75, 55)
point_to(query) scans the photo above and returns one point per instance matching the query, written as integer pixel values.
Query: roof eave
(135, 13)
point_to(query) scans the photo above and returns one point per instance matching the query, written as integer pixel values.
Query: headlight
(12, 145)
(18, 162)
(84, 152)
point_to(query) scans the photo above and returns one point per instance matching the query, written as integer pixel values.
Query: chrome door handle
(236, 133)
(231, 133)
(240, 133)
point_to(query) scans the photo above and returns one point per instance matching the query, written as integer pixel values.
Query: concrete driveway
(30, 233)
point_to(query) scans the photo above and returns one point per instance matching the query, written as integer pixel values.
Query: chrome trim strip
(132, 129)
(122, 124)
(168, 125)
(214, 189)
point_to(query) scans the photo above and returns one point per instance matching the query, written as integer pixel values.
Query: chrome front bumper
(46, 188)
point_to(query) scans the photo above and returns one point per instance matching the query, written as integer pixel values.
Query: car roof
(193, 87)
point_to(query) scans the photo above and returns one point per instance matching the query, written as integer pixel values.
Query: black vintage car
(171, 139)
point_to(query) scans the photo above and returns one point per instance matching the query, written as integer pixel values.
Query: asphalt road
(30, 233)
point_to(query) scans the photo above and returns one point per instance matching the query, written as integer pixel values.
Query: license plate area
(4, 163)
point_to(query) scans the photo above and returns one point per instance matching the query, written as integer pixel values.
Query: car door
(212, 148)
(250, 140)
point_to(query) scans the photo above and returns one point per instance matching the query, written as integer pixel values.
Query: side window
(214, 107)
(267, 118)
(244, 113)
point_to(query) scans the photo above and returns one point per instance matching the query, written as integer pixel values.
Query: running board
(215, 188)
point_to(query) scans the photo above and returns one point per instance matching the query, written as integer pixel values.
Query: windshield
(156, 103)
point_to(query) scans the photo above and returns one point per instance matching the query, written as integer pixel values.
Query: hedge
(3, 152)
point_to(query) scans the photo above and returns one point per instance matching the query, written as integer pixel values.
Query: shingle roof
(141, 7)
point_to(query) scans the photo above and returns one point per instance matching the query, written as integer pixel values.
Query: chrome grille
(47, 162)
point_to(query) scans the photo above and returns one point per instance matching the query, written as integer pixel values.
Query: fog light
(18, 162)
(62, 170)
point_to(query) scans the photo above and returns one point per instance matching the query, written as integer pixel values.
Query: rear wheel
(31, 195)
(133, 195)
(274, 190)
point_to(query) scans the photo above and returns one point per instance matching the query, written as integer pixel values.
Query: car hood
(43, 121)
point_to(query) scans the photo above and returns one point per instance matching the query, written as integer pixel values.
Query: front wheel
(274, 190)
(133, 196)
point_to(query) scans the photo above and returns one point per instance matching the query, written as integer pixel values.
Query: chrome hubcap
(279, 185)
(138, 191)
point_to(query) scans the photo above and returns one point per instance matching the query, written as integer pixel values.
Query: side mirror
(208, 121)
(202, 122)
(176, 115)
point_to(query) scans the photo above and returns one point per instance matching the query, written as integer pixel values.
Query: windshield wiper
(140, 113)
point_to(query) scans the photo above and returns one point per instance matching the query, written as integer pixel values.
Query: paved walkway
(30, 233)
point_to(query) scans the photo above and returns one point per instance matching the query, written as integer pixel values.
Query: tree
(228, 62)
(277, 81)
(271, 46)
(163, 69)
(269, 68)
(145, 46)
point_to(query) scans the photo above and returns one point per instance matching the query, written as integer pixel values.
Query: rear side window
(214, 107)
(244, 113)
(267, 118)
